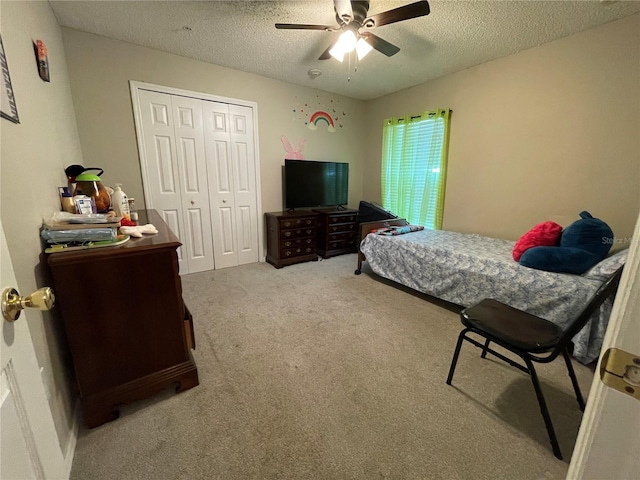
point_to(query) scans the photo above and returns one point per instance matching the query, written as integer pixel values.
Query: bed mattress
(466, 268)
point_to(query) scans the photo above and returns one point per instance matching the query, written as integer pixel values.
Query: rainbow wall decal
(321, 116)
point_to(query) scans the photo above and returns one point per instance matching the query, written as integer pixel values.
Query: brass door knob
(13, 303)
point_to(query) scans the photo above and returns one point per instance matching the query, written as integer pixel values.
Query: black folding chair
(532, 338)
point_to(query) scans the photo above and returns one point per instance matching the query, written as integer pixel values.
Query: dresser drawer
(335, 237)
(298, 233)
(297, 242)
(341, 227)
(342, 218)
(297, 222)
(341, 243)
(188, 329)
(296, 252)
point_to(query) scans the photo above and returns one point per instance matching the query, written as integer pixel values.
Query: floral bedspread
(466, 268)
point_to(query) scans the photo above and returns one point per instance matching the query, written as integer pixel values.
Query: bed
(465, 268)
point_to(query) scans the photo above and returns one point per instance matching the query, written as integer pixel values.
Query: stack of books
(110, 222)
(81, 231)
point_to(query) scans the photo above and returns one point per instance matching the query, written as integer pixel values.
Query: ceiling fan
(353, 21)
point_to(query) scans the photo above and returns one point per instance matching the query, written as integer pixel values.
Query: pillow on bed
(603, 270)
(543, 234)
(588, 233)
(583, 244)
(398, 230)
(559, 259)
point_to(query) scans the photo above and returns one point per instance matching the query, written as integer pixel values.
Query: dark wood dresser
(128, 330)
(291, 237)
(337, 232)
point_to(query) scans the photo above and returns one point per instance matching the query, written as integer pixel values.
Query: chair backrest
(606, 290)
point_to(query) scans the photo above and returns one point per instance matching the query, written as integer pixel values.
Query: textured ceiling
(241, 35)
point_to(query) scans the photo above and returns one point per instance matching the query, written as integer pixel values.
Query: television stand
(336, 231)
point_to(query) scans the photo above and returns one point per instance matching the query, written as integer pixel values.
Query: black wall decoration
(8, 108)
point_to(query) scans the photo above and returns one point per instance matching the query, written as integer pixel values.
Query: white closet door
(220, 171)
(199, 168)
(194, 194)
(163, 180)
(244, 183)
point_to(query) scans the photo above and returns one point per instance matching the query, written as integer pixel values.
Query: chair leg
(574, 380)
(454, 360)
(484, 350)
(543, 409)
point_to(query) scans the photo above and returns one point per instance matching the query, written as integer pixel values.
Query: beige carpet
(312, 372)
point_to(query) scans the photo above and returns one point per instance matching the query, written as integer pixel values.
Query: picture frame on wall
(8, 108)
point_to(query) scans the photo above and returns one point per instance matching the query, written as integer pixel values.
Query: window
(414, 166)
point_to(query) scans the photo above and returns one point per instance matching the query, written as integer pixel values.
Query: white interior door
(608, 444)
(244, 183)
(220, 172)
(29, 443)
(232, 183)
(173, 142)
(194, 193)
(161, 164)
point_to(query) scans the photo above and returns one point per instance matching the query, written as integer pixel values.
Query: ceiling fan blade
(326, 55)
(344, 10)
(413, 10)
(300, 26)
(389, 49)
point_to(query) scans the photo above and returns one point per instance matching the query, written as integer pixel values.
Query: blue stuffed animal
(583, 244)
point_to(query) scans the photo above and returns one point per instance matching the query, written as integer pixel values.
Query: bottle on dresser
(120, 202)
(132, 209)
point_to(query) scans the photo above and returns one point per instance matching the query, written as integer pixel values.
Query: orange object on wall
(43, 61)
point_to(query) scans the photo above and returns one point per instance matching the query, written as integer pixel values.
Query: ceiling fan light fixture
(352, 16)
(348, 40)
(337, 52)
(346, 43)
(362, 48)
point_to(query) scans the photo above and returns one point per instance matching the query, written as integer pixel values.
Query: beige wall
(34, 154)
(539, 135)
(100, 70)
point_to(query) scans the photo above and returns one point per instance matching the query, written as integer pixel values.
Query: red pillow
(544, 234)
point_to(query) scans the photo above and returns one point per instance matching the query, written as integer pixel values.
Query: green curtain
(414, 166)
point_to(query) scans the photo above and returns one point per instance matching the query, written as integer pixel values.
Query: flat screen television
(309, 183)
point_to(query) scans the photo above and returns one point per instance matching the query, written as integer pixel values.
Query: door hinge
(620, 370)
